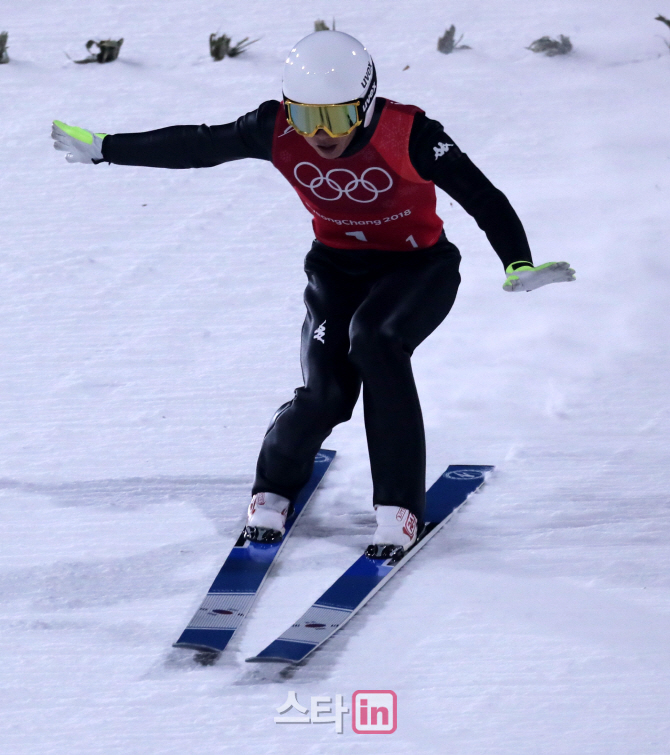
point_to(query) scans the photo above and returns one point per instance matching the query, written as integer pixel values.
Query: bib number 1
(361, 237)
(357, 235)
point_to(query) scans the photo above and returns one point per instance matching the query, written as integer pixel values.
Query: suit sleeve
(203, 146)
(437, 158)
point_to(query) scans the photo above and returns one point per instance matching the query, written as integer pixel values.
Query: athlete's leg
(403, 307)
(331, 382)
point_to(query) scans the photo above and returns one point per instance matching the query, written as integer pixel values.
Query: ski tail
(366, 576)
(239, 580)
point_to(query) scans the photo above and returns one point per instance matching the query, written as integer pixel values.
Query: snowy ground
(149, 326)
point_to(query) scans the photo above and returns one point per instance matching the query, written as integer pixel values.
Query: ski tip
(469, 472)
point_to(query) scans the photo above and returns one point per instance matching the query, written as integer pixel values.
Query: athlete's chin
(329, 147)
(329, 151)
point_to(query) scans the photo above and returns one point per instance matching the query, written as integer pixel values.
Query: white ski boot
(266, 518)
(396, 532)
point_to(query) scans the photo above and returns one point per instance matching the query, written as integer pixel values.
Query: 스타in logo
(340, 182)
(375, 711)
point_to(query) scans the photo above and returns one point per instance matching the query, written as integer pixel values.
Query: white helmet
(328, 68)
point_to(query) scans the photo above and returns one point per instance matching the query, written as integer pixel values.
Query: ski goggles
(335, 120)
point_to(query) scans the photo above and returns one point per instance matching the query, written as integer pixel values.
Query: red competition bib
(371, 200)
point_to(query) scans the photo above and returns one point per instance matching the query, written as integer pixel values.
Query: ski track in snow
(149, 327)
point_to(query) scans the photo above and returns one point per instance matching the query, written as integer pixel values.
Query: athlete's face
(329, 147)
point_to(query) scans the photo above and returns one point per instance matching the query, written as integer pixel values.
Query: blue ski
(236, 586)
(366, 576)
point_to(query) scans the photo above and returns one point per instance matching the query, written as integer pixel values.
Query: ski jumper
(381, 274)
(380, 280)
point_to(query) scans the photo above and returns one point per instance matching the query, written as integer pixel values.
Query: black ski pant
(366, 313)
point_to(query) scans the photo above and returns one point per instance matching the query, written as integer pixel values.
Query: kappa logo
(320, 333)
(442, 149)
(330, 189)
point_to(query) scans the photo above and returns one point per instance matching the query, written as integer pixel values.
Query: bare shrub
(108, 50)
(446, 43)
(551, 47)
(4, 57)
(221, 47)
(662, 19)
(323, 26)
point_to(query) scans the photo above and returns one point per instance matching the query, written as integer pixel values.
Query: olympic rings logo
(353, 182)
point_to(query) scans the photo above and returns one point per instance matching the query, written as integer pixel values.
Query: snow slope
(149, 325)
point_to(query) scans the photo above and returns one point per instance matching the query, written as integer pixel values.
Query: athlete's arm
(436, 158)
(196, 146)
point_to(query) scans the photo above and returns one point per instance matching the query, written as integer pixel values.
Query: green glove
(522, 276)
(82, 146)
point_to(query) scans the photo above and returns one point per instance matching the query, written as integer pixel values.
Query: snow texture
(149, 326)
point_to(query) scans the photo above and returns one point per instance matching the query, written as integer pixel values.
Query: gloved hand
(82, 146)
(522, 276)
